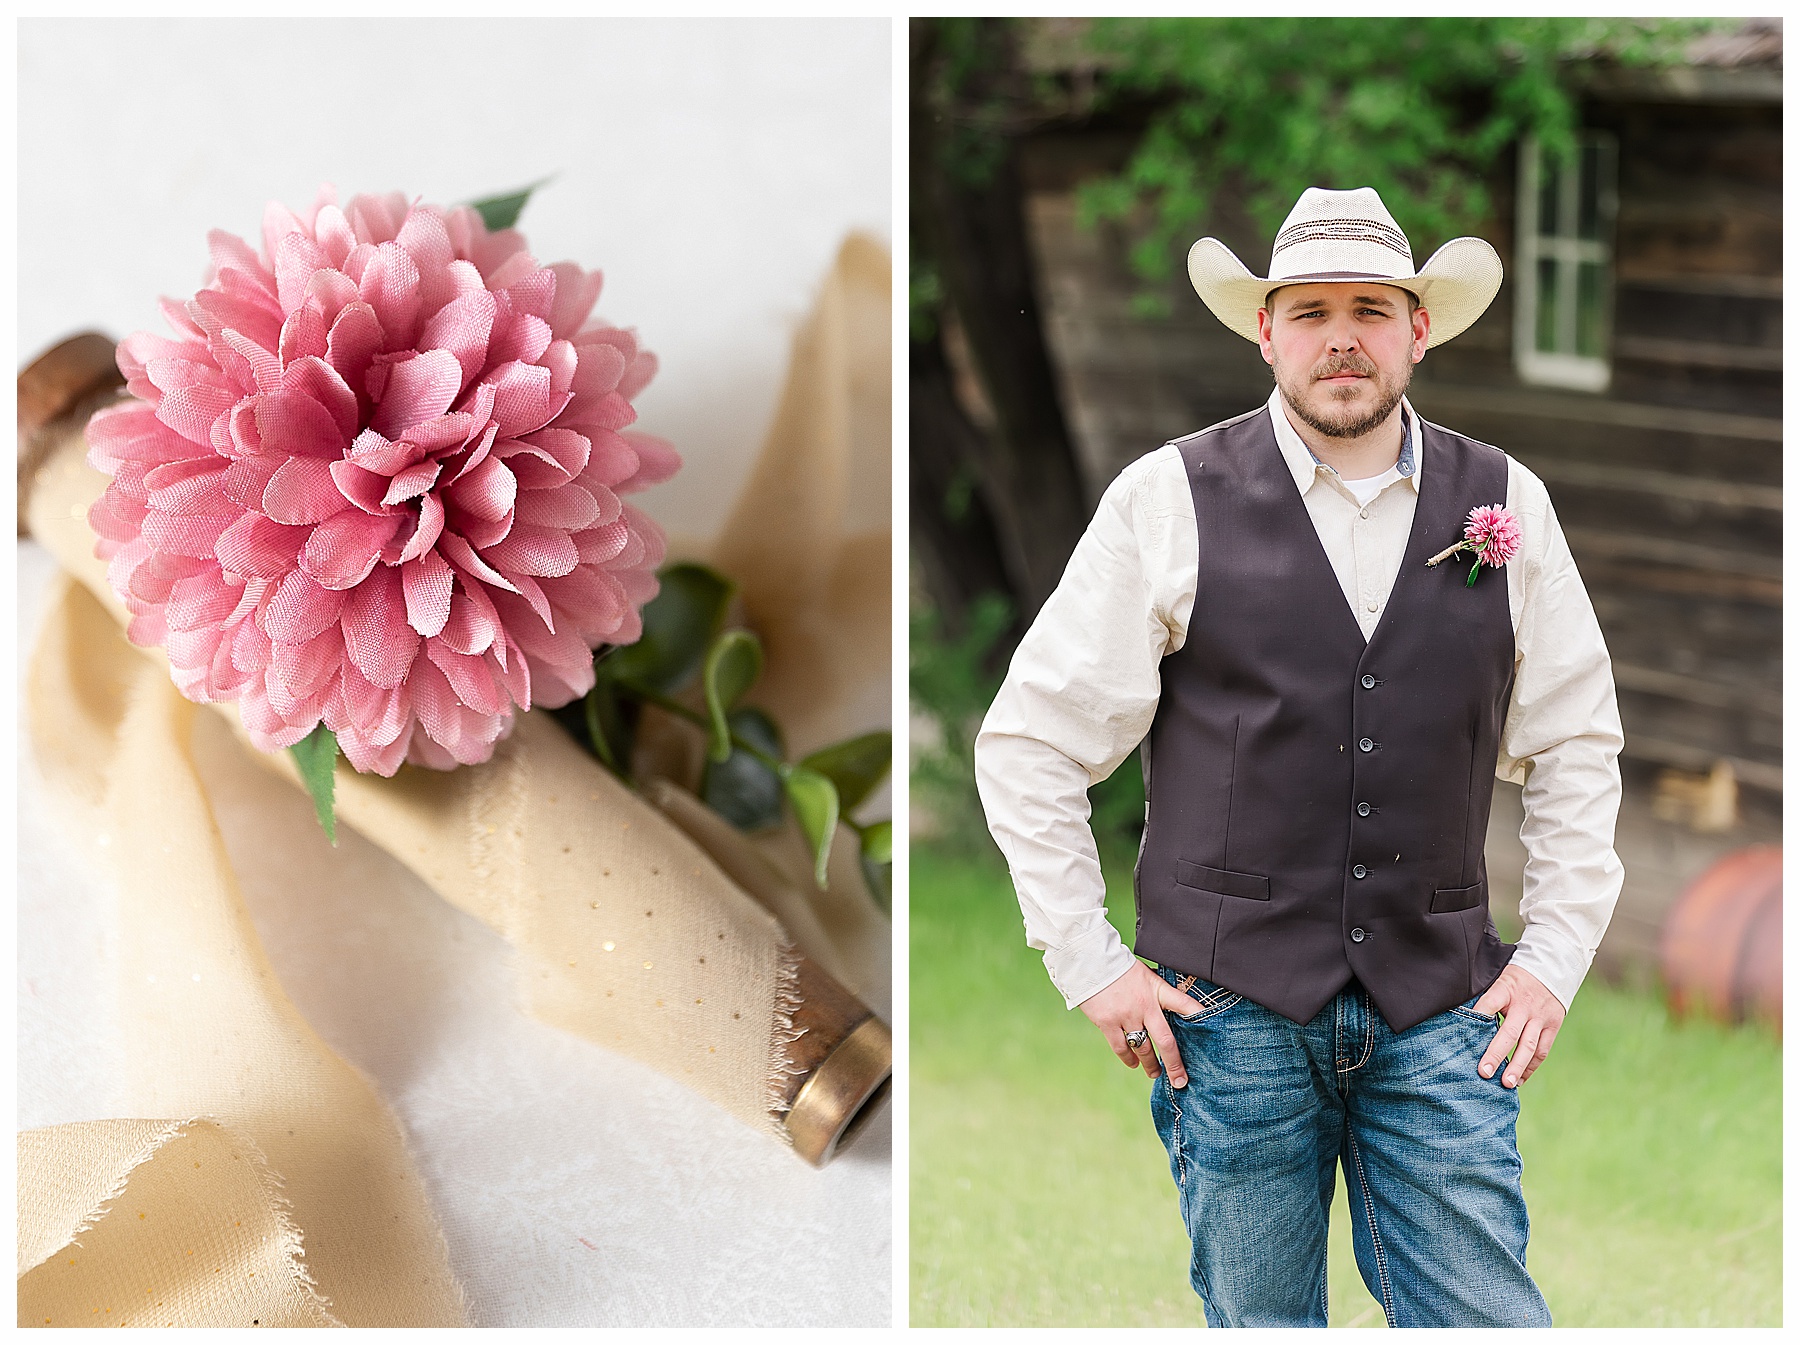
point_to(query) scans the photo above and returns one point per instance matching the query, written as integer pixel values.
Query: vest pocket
(1447, 899)
(1253, 886)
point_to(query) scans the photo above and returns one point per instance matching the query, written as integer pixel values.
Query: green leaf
(502, 212)
(679, 625)
(733, 664)
(316, 755)
(878, 842)
(815, 802)
(880, 878)
(741, 789)
(608, 732)
(856, 765)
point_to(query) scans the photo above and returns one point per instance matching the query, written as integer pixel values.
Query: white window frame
(1563, 368)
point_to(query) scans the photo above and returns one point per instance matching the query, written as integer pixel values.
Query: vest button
(1357, 936)
(1367, 744)
(1362, 810)
(1359, 872)
(1368, 682)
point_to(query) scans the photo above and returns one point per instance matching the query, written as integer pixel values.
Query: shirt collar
(1304, 464)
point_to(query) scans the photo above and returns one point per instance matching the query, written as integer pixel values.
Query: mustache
(1347, 364)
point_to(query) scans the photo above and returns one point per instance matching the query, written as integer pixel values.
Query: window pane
(1549, 178)
(1546, 304)
(1588, 214)
(1589, 311)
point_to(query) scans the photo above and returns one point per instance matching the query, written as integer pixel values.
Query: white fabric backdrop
(710, 168)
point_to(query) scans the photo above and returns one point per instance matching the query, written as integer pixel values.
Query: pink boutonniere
(1492, 534)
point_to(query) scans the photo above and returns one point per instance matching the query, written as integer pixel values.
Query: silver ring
(1136, 1040)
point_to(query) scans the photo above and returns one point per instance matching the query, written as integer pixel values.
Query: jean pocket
(1213, 998)
(1468, 1011)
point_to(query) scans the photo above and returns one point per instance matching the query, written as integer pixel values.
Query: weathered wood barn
(1632, 360)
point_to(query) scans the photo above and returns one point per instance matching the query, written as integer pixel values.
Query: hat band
(1379, 277)
(1343, 231)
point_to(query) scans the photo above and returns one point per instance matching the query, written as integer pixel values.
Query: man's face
(1342, 353)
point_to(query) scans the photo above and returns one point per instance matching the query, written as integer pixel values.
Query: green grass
(1041, 1196)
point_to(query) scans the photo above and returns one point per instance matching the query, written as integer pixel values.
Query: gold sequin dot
(647, 966)
(659, 1004)
(609, 945)
(593, 905)
(699, 1001)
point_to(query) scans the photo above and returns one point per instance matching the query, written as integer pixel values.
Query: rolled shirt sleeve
(1561, 742)
(1078, 697)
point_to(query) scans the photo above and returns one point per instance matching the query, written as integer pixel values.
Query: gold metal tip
(846, 1089)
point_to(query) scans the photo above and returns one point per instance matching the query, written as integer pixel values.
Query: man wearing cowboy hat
(1324, 698)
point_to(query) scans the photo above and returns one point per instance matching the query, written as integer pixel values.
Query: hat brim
(1455, 286)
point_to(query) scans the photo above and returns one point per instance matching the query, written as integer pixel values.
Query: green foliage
(815, 803)
(745, 777)
(743, 788)
(951, 684)
(733, 664)
(924, 296)
(855, 766)
(1041, 1196)
(502, 212)
(679, 625)
(316, 755)
(1420, 108)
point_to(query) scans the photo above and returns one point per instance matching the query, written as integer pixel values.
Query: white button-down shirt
(1083, 687)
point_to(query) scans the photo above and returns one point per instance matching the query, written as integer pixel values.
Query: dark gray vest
(1318, 805)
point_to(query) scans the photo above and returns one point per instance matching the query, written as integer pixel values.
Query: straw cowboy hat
(1349, 235)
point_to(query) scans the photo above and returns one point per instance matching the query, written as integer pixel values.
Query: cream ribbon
(673, 943)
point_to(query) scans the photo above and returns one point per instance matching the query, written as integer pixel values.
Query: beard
(1329, 411)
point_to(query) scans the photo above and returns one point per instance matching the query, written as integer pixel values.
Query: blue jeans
(1428, 1148)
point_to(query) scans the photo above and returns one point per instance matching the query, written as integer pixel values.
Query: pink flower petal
(324, 385)
(474, 625)
(297, 256)
(430, 528)
(360, 486)
(566, 508)
(418, 389)
(412, 482)
(259, 546)
(293, 422)
(657, 462)
(376, 635)
(486, 492)
(427, 585)
(540, 552)
(191, 411)
(345, 548)
(576, 292)
(462, 327)
(390, 285)
(300, 608)
(303, 491)
(356, 336)
(308, 666)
